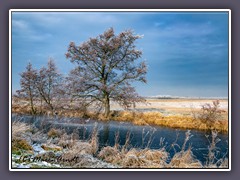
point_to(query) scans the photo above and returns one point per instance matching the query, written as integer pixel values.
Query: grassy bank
(173, 121)
(185, 120)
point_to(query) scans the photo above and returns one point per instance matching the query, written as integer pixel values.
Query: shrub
(210, 113)
(53, 133)
(19, 145)
(184, 159)
(212, 160)
(111, 155)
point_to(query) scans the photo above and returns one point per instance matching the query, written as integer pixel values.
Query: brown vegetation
(19, 143)
(51, 147)
(53, 133)
(174, 121)
(210, 115)
(203, 119)
(19, 128)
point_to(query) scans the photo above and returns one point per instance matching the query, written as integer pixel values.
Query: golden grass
(134, 158)
(51, 147)
(174, 121)
(19, 145)
(111, 155)
(148, 158)
(184, 159)
(79, 148)
(53, 133)
(66, 141)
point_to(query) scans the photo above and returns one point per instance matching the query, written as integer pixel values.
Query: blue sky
(186, 52)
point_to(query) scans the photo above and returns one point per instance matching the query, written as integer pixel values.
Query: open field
(174, 106)
(177, 113)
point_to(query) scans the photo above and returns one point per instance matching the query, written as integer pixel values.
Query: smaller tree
(27, 83)
(47, 83)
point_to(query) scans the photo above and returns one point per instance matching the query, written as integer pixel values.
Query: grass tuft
(54, 133)
(19, 128)
(20, 145)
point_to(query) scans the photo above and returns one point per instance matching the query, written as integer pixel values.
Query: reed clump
(19, 142)
(19, 129)
(111, 155)
(54, 133)
(184, 159)
(20, 145)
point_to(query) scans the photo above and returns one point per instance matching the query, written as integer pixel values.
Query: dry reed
(19, 128)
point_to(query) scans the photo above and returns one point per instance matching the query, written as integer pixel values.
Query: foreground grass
(87, 154)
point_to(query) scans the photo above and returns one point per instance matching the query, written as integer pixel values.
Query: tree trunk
(106, 106)
(51, 107)
(41, 110)
(32, 108)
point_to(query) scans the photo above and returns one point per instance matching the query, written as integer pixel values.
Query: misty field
(175, 106)
(180, 113)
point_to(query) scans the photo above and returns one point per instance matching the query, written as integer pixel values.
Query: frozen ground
(166, 104)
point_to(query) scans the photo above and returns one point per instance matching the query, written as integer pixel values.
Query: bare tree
(106, 65)
(48, 82)
(27, 83)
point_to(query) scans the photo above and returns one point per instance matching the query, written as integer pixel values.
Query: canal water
(153, 137)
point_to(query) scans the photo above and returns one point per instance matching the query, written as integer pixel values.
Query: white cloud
(22, 29)
(56, 18)
(19, 24)
(47, 19)
(158, 24)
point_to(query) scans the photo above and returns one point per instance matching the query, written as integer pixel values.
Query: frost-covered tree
(106, 67)
(27, 83)
(48, 82)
